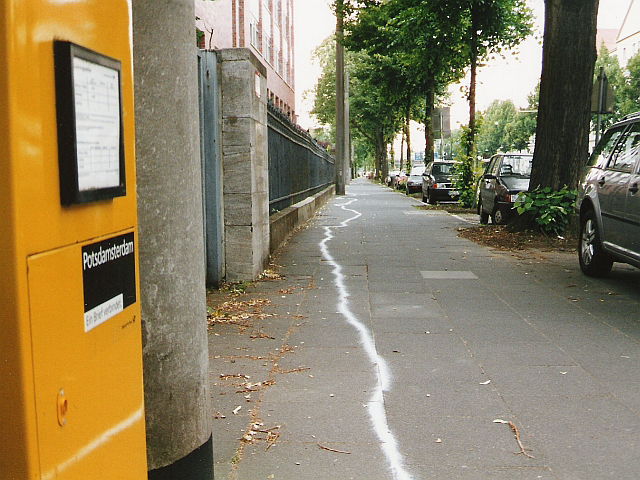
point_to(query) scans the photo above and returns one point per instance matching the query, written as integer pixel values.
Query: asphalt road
(392, 347)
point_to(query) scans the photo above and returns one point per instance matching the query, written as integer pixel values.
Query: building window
(268, 50)
(253, 32)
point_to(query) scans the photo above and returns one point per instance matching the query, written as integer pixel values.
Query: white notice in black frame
(90, 131)
(97, 100)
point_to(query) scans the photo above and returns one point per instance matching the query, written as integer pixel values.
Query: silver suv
(609, 202)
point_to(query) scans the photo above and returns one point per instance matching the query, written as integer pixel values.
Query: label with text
(108, 279)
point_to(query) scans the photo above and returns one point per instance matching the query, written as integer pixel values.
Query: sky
(511, 78)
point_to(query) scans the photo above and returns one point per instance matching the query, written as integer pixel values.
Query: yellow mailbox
(71, 392)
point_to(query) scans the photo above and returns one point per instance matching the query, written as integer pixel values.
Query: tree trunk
(562, 133)
(382, 168)
(407, 129)
(401, 150)
(428, 125)
(471, 139)
(392, 153)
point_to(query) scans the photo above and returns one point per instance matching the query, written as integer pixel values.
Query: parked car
(609, 202)
(437, 182)
(414, 181)
(506, 175)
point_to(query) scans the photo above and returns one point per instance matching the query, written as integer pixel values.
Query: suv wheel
(593, 260)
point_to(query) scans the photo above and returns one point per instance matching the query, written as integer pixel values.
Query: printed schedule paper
(97, 107)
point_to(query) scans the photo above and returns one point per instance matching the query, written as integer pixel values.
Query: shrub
(465, 176)
(551, 210)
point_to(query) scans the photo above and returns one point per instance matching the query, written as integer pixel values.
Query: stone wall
(245, 163)
(283, 223)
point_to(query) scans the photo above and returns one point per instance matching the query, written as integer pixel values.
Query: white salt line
(460, 218)
(376, 408)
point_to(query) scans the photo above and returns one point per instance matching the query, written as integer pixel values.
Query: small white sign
(96, 91)
(103, 312)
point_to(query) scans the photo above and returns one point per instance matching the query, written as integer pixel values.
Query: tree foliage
(609, 63)
(417, 49)
(494, 133)
(409, 51)
(630, 90)
(505, 128)
(373, 122)
(493, 25)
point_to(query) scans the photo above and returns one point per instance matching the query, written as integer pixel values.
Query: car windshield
(442, 169)
(516, 165)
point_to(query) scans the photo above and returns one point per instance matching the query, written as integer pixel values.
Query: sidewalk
(391, 346)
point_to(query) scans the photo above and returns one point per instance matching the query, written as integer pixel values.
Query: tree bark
(428, 125)
(401, 149)
(407, 129)
(382, 168)
(568, 58)
(472, 84)
(392, 152)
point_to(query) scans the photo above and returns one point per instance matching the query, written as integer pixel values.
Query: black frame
(70, 193)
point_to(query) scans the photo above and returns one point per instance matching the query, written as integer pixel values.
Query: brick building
(264, 26)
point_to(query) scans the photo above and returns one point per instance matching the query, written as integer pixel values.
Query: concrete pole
(340, 113)
(172, 262)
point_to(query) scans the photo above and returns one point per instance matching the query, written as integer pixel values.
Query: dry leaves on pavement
(497, 236)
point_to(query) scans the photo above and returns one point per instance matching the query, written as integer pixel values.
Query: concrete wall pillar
(172, 262)
(245, 163)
